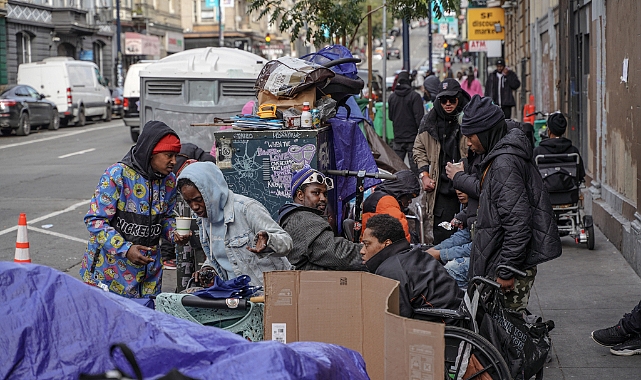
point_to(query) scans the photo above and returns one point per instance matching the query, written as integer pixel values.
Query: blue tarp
(56, 327)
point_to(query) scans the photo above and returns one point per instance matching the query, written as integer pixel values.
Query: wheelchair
(559, 173)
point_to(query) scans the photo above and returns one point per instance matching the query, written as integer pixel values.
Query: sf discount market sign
(485, 24)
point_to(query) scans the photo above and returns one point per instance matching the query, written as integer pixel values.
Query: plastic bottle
(306, 117)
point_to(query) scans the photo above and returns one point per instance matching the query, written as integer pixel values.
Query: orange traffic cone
(22, 243)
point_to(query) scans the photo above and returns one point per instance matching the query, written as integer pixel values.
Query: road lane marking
(77, 153)
(55, 213)
(57, 234)
(59, 136)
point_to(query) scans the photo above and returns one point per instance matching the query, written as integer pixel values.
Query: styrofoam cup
(183, 225)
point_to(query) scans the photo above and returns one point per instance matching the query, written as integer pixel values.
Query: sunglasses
(451, 99)
(320, 179)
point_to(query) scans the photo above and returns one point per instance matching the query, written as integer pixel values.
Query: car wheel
(24, 125)
(134, 135)
(108, 117)
(82, 119)
(54, 124)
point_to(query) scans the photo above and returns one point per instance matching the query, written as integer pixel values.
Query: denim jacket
(244, 217)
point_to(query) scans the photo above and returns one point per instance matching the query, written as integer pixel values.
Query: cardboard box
(356, 310)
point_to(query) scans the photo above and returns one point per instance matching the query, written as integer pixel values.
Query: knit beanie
(169, 143)
(299, 177)
(479, 115)
(404, 77)
(557, 123)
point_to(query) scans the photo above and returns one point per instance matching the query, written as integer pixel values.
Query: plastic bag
(333, 53)
(523, 340)
(289, 76)
(326, 107)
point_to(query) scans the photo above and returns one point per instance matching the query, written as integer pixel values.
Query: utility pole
(119, 53)
(221, 37)
(384, 84)
(406, 45)
(370, 103)
(429, 36)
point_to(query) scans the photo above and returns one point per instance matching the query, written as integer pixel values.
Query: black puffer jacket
(423, 280)
(405, 111)
(515, 224)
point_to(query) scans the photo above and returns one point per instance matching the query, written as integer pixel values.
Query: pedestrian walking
(499, 87)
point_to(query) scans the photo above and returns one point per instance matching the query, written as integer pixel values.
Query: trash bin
(378, 123)
(539, 125)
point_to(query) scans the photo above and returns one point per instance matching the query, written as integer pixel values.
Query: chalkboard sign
(260, 164)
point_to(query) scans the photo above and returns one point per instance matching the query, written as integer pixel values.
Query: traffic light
(444, 45)
(448, 59)
(268, 39)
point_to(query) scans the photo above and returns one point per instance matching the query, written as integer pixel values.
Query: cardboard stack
(356, 310)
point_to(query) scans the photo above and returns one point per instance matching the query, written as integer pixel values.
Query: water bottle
(306, 117)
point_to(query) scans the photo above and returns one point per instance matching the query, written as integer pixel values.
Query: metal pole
(384, 100)
(406, 45)
(429, 36)
(370, 38)
(221, 38)
(119, 52)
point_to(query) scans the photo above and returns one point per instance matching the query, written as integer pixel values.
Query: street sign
(485, 24)
(437, 43)
(477, 46)
(444, 28)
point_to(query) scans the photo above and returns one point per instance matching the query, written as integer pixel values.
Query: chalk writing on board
(246, 165)
(243, 136)
(286, 135)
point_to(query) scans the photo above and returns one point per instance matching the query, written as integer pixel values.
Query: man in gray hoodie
(237, 233)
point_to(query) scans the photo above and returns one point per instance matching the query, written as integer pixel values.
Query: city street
(51, 176)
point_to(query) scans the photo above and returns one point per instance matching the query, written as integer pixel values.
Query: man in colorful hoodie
(237, 233)
(130, 210)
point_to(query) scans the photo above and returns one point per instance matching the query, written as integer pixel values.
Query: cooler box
(378, 123)
(260, 164)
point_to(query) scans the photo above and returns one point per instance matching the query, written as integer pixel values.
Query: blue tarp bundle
(56, 327)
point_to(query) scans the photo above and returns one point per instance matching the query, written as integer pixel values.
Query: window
(23, 40)
(171, 6)
(155, 4)
(206, 11)
(22, 91)
(33, 93)
(97, 55)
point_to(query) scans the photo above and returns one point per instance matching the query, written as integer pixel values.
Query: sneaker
(630, 347)
(169, 264)
(611, 336)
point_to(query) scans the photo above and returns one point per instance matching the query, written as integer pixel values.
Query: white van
(75, 86)
(131, 97)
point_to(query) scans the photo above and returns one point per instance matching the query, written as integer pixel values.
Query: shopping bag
(523, 340)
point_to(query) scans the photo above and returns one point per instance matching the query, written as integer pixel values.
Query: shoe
(611, 336)
(630, 347)
(169, 264)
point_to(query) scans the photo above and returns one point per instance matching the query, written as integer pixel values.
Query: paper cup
(183, 225)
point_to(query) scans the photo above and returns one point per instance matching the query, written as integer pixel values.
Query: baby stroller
(559, 172)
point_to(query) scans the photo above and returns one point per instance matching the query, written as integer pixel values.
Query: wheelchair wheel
(587, 221)
(458, 342)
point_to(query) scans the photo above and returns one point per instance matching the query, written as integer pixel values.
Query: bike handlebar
(350, 173)
(512, 269)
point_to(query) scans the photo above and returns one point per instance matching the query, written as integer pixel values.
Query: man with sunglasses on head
(438, 142)
(315, 246)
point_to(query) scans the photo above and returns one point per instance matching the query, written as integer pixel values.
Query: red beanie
(169, 143)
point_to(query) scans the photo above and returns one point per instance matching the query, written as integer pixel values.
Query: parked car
(393, 52)
(22, 106)
(117, 102)
(377, 81)
(76, 87)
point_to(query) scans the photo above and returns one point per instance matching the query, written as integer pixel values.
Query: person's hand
(261, 242)
(136, 257)
(451, 169)
(505, 70)
(435, 253)
(506, 285)
(181, 239)
(428, 183)
(196, 276)
(457, 223)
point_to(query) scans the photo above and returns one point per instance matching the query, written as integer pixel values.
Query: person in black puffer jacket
(515, 224)
(405, 111)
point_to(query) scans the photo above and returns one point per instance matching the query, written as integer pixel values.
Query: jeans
(631, 322)
(405, 148)
(455, 252)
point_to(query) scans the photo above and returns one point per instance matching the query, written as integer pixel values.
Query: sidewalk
(582, 291)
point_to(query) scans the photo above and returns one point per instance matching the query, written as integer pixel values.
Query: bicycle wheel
(460, 344)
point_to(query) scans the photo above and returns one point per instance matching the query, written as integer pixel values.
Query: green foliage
(339, 17)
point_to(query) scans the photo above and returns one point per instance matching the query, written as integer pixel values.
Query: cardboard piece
(283, 103)
(356, 310)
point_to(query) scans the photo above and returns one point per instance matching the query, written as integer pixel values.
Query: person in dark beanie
(440, 141)
(405, 111)
(557, 144)
(515, 225)
(131, 209)
(430, 86)
(499, 86)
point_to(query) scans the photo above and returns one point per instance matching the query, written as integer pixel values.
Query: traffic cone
(22, 242)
